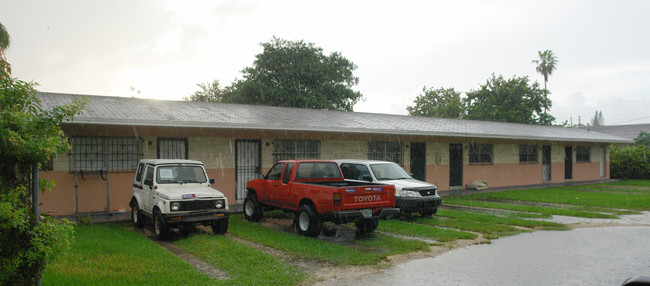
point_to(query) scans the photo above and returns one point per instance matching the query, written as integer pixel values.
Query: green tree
(5, 40)
(545, 66)
(598, 119)
(210, 92)
(442, 103)
(513, 100)
(643, 139)
(297, 74)
(28, 135)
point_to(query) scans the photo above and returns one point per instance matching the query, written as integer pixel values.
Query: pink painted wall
(92, 192)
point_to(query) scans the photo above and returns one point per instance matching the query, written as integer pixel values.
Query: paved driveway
(600, 254)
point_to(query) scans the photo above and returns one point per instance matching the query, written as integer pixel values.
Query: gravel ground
(598, 252)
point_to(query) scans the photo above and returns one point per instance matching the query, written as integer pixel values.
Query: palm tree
(4, 38)
(546, 66)
(5, 68)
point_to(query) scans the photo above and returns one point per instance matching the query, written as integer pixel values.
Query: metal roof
(625, 131)
(109, 110)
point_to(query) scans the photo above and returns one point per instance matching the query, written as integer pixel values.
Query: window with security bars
(172, 148)
(113, 154)
(528, 154)
(480, 153)
(386, 151)
(295, 149)
(583, 154)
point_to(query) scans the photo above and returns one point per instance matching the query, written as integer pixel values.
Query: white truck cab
(175, 193)
(412, 196)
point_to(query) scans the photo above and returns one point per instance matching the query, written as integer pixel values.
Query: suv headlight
(219, 204)
(410, 193)
(176, 206)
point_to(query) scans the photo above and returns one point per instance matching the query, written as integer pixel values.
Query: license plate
(366, 212)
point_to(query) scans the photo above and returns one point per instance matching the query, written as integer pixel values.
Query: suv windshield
(385, 172)
(180, 174)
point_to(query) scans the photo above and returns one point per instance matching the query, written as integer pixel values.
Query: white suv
(176, 193)
(412, 196)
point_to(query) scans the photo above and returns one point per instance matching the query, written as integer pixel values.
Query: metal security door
(418, 160)
(247, 164)
(568, 163)
(546, 163)
(455, 164)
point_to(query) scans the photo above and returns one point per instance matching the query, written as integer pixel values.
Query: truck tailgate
(368, 197)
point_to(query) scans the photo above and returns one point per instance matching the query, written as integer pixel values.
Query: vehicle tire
(308, 221)
(160, 229)
(136, 215)
(219, 226)
(367, 226)
(428, 213)
(329, 229)
(252, 208)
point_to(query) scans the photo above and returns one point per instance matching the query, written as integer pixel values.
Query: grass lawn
(109, 254)
(370, 250)
(503, 219)
(410, 228)
(586, 196)
(513, 206)
(244, 264)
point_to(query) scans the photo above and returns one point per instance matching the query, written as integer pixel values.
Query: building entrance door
(568, 163)
(546, 163)
(455, 164)
(247, 164)
(418, 160)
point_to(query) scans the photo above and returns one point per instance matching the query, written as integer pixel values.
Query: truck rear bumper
(351, 216)
(195, 217)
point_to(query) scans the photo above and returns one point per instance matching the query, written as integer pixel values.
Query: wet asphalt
(599, 254)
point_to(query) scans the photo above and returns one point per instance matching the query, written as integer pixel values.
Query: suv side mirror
(260, 176)
(367, 178)
(211, 181)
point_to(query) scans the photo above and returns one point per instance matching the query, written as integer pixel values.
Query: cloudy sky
(164, 48)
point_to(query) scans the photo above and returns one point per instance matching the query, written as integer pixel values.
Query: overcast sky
(164, 48)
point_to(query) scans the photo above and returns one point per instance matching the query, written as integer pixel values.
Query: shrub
(26, 243)
(630, 163)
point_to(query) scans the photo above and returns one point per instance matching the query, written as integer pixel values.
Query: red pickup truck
(316, 191)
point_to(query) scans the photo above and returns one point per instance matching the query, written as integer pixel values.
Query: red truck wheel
(367, 226)
(252, 208)
(308, 221)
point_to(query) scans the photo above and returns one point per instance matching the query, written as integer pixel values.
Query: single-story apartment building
(238, 142)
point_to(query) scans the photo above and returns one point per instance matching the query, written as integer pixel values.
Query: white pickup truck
(412, 196)
(176, 193)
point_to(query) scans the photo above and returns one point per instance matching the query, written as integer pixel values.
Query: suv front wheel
(136, 215)
(219, 226)
(160, 229)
